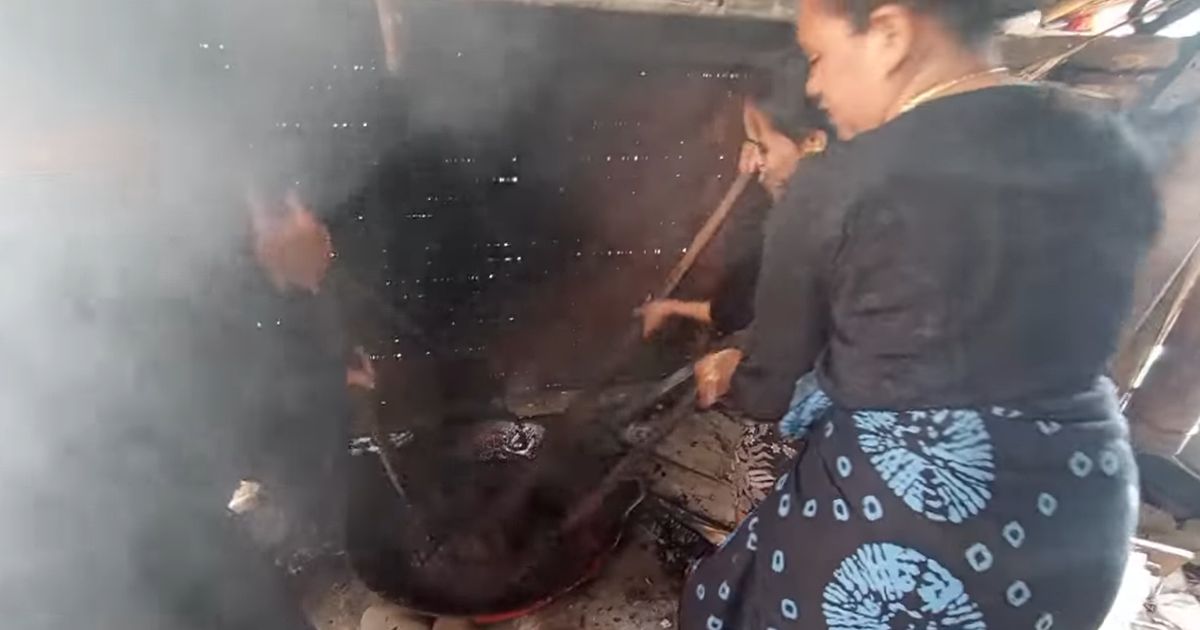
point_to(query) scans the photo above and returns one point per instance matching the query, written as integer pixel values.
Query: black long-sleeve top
(980, 249)
(732, 306)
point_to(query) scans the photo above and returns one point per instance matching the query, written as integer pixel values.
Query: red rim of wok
(593, 568)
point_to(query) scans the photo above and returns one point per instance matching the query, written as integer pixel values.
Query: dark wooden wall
(515, 190)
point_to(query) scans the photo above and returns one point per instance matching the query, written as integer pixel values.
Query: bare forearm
(698, 311)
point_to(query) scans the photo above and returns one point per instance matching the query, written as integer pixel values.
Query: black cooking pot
(461, 542)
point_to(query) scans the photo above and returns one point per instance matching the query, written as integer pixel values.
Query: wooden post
(1165, 409)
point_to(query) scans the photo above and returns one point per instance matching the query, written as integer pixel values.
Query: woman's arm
(732, 307)
(791, 322)
(656, 313)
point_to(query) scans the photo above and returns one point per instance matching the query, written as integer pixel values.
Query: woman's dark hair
(780, 93)
(972, 20)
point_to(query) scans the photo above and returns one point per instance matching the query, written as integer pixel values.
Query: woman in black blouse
(936, 308)
(783, 128)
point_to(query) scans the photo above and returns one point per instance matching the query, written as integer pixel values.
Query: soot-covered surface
(478, 536)
(523, 182)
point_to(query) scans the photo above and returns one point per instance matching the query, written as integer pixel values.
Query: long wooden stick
(591, 501)
(580, 409)
(367, 410)
(583, 407)
(699, 243)
(705, 235)
(1155, 323)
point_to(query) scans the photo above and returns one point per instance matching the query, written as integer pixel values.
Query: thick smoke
(133, 133)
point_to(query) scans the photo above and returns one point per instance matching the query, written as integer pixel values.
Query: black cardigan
(980, 249)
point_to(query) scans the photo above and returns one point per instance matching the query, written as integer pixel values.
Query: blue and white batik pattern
(980, 498)
(939, 462)
(808, 404)
(883, 585)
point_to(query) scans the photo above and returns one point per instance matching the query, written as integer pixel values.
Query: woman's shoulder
(825, 178)
(1037, 140)
(812, 213)
(1032, 117)
(1018, 135)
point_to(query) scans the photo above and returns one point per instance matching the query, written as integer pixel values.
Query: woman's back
(960, 276)
(980, 249)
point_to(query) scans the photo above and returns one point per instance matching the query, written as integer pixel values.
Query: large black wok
(488, 537)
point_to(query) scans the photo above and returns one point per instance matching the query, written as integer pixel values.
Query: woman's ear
(890, 32)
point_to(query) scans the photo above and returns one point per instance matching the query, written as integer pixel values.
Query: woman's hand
(292, 246)
(655, 313)
(714, 374)
(750, 161)
(362, 375)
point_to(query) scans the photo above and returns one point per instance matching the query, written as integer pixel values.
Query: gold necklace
(944, 86)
